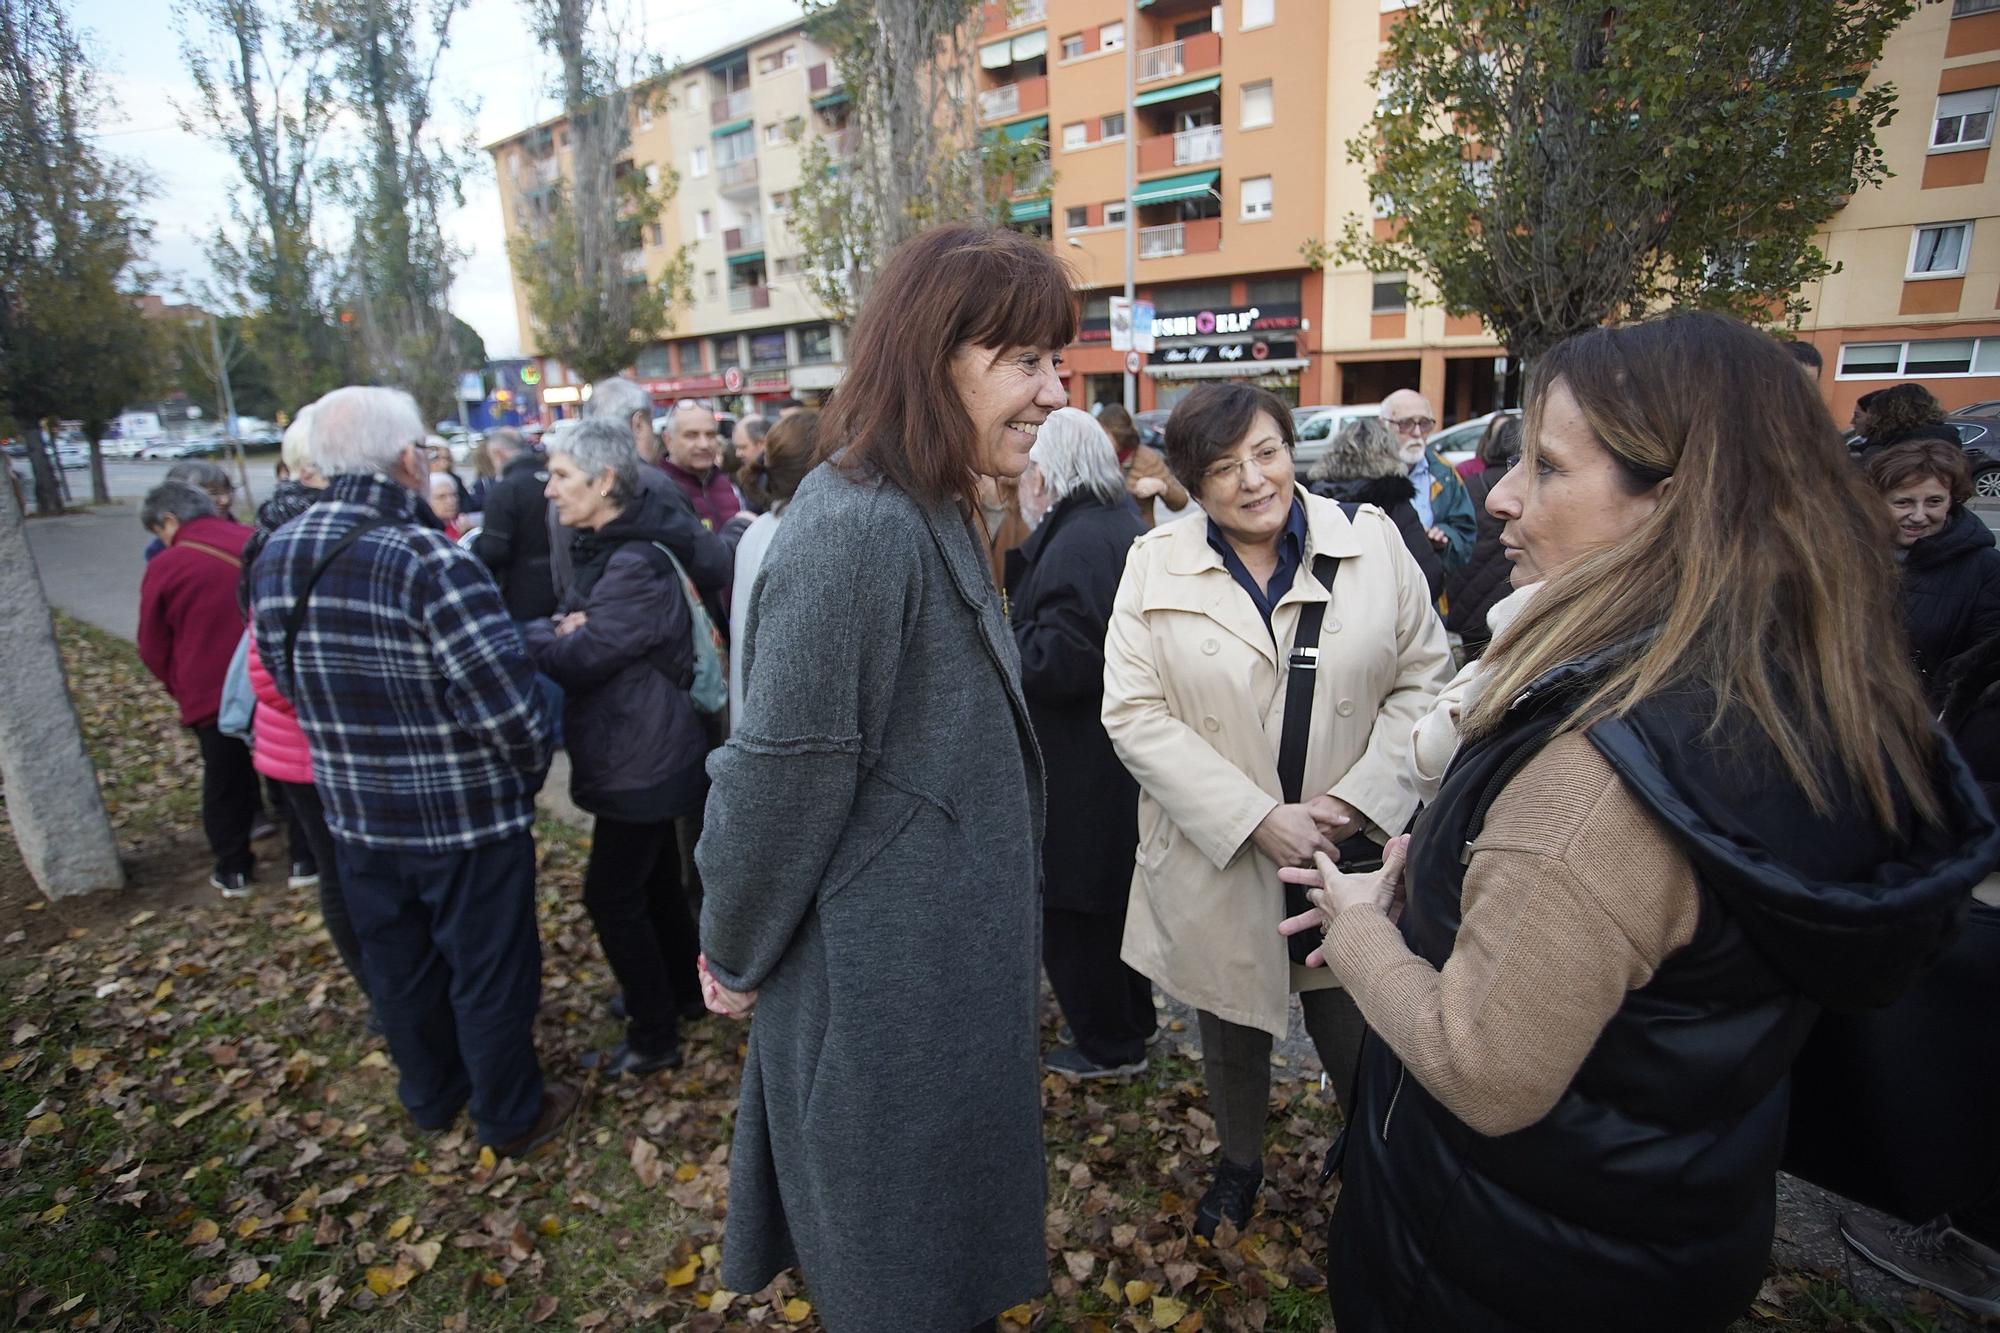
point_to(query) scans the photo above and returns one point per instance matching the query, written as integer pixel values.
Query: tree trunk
(100, 489)
(48, 477)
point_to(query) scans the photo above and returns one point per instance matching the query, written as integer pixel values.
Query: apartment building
(730, 124)
(1918, 294)
(1229, 183)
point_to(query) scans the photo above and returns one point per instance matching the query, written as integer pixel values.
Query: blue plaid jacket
(411, 685)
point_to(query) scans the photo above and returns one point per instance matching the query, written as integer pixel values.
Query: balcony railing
(740, 175)
(749, 298)
(742, 238)
(1033, 178)
(999, 103)
(729, 106)
(1201, 51)
(1161, 242)
(1020, 13)
(1198, 145)
(634, 263)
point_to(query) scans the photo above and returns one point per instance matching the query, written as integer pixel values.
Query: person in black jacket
(1900, 414)
(1692, 807)
(1951, 571)
(1477, 586)
(1362, 465)
(513, 538)
(1061, 582)
(623, 652)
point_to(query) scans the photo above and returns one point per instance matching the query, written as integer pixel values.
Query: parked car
(1320, 428)
(1981, 437)
(170, 449)
(1988, 408)
(1462, 440)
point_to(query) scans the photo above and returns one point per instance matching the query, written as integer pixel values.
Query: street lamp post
(1131, 170)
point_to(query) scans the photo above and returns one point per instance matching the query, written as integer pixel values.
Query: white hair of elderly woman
(1072, 453)
(362, 429)
(618, 399)
(296, 448)
(601, 443)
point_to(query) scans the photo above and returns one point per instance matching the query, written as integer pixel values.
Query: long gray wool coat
(871, 857)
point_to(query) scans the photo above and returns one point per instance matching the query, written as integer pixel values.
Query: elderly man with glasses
(1442, 503)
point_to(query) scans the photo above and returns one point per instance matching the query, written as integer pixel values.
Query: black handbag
(1358, 853)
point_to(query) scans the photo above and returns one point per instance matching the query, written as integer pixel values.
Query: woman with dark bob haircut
(878, 812)
(1951, 571)
(1198, 673)
(1693, 802)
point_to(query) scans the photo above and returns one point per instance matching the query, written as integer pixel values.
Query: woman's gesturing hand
(718, 997)
(1333, 893)
(1291, 836)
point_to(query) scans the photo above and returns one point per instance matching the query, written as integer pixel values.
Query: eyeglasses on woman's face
(1230, 473)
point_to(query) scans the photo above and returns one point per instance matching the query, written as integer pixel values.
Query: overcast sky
(493, 62)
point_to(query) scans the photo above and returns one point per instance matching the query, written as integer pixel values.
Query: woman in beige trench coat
(1194, 701)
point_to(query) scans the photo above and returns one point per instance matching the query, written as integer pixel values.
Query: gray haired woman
(1062, 581)
(620, 646)
(1363, 465)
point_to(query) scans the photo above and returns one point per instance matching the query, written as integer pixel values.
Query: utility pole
(1131, 171)
(227, 400)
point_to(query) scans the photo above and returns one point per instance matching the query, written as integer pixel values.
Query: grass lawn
(197, 1131)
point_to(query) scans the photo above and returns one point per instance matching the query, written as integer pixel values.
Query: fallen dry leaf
(797, 1311)
(203, 1232)
(684, 1275)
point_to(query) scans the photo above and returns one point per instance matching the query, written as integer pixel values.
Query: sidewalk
(91, 562)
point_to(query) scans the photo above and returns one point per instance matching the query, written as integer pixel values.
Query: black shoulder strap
(1302, 667)
(296, 617)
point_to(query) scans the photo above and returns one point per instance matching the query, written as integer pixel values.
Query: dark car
(1981, 437)
(1989, 408)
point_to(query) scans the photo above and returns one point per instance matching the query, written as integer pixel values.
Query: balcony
(1187, 148)
(1032, 179)
(749, 298)
(1015, 98)
(1200, 236)
(822, 78)
(742, 238)
(633, 262)
(1201, 51)
(737, 177)
(729, 106)
(1006, 15)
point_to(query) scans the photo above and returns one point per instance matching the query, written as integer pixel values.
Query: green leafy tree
(1550, 167)
(124, 359)
(581, 261)
(910, 154)
(70, 236)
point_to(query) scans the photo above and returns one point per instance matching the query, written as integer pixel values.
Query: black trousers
(1236, 1065)
(230, 799)
(1108, 1005)
(455, 969)
(309, 818)
(632, 890)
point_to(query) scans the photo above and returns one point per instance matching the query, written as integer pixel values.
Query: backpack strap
(296, 617)
(234, 562)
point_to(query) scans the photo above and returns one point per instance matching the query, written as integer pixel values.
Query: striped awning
(1038, 128)
(1028, 210)
(748, 257)
(1165, 191)
(1192, 88)
(733, 127)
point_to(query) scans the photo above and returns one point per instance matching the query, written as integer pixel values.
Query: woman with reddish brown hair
(878, 809)
(1951, 571)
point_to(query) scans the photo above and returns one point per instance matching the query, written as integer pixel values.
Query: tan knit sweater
(1574, 895)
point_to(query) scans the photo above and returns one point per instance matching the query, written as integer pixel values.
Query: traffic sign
(732, 379)
(1132, 363)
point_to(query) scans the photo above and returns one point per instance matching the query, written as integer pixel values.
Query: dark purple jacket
(635, 743)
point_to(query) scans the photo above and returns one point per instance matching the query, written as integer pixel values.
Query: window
(1939, 251)
(780, 201)
(698, 161)
(1257, 109)
(1392, 293)
(646, 117)
(689, 357)
(735, 147)
(1076, 219)
(1257, 197)
(691, 94)
(774, 134)
(712, 284)
(773, 61)
(1072, 47)
(1960, 8)
(1964, 120)
(768, 349)
(795, 127)
(1114, 214)
(727, 353)
(791, 54)
(704, 224)
(1258, 14)
(658, 235)
(1076, 136)
(651, 363)
(1112, 126)
(1935, 356)
(1111, 37)
(785, 268)
(816, 343)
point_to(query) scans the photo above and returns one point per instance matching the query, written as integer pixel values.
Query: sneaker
(1065, 1037)
(1233, 1197)
(1936, 1256)
(1071, 1061)
(558, 1104)
(263, 827)
(235, 884)
(623, 1059)
(305, 875)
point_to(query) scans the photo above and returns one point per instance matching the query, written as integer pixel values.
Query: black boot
(1233, 1196)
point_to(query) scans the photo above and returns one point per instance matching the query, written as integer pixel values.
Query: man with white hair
(1442, 503)
(429, 741)
(708, 560)
(694, 463)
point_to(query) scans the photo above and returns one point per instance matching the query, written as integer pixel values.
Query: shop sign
(686, 385)
(769, 381)
(1250, 350)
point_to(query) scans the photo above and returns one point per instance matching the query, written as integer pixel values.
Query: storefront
(1249, 329)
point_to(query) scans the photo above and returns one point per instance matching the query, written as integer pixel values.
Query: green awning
(1189, 89)
(738, 126)
(748, 257)
(825, 100)
(1165, 191)
(1038, 128)
(1028, 210)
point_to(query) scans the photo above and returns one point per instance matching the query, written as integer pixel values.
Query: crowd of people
(1575, 799)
